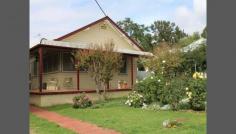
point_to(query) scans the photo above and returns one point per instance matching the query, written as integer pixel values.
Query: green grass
(42, 126)
(115, 115)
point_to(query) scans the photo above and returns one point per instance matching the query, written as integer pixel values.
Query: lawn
(41, 126)
(115, 115)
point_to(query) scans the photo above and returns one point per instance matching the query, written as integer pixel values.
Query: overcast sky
(53, 18)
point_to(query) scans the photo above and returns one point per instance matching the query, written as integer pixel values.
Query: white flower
(186, 88)
(159, 80)
(151, 77)
(163, 61)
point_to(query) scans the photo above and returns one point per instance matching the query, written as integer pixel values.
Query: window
(51, 62)
(35, 67)
(123, 69)
(68, 62)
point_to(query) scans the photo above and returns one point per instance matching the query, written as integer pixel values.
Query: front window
(68, 62)
(51, 62)
(123, 69)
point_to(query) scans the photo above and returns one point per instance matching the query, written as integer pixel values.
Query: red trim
(132, 71)
(77, 75)
(50, 46)
(93, 23)
(76, 92)
(40, 69)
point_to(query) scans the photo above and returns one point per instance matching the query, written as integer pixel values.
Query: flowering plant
(81, 101)
(135, 99)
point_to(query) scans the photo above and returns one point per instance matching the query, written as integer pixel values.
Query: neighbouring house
(54, 78)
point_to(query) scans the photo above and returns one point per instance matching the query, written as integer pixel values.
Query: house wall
(86, 82)
(95, 34)
(49, 100)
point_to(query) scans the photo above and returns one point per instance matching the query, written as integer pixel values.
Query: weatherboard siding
(96, 35)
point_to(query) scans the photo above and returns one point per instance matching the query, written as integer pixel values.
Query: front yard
(114, 114)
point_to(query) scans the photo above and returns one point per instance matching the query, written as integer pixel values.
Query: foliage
(137, 32)
(174, 91)
(165, 61)
(81, 101)
(167, 31)
(197, 88)
(158, 89)
(195, 59)
(184, 106)
(153, 106)
(204, 33)
(188, 40)
(149, 36)
(102, 62)
(152, 88)
(135, 99)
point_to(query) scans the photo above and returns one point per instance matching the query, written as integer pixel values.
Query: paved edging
(78, 126)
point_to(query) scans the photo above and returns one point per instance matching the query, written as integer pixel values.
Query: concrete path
(70, 123)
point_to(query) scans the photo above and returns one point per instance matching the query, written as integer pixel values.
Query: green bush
(81, 101)
(174, 91)
(135, 99)
(197, 88)
(151, 88)
(184, 106)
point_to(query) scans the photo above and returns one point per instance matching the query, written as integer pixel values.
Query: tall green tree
(138, 32)
(166, 31)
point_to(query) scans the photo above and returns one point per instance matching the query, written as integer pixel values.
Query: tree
(137, 32)
(165, 61)
(101, 62)
(166, 31)
(195, 59)
(204, 33)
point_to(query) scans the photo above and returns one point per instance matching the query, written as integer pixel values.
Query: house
(53, 76)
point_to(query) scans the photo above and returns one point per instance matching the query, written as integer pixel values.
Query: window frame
(126, 65)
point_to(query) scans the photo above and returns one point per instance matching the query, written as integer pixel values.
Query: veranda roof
(87, 46)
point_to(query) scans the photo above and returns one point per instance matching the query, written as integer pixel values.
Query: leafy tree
(137, 32)
(204, 33)
(165, 61)
(166, 31)
(195, 59)
(102, 62)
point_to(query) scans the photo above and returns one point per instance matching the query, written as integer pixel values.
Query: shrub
(153, 106)
(151, 88)
(135, 99)
(184, 106)
(81, 101)
(197, 94)
(174, 91)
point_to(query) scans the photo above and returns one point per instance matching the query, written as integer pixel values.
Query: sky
(53, 18)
